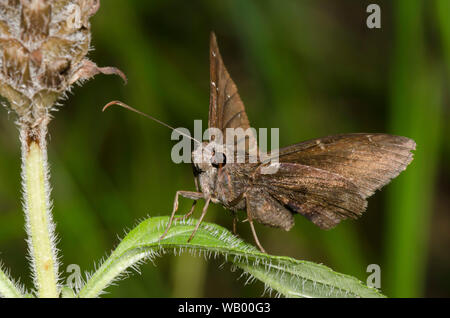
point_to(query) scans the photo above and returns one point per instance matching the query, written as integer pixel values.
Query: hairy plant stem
(37, 206)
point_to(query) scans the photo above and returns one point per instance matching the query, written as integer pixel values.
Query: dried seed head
(43, 47)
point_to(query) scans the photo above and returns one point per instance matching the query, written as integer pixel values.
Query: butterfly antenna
(119, 103)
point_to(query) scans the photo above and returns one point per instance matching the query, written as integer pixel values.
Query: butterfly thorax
(224, 182)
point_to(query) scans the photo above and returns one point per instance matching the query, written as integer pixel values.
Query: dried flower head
(43, 47)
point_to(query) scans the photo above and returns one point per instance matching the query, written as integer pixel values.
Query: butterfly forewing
(226, 109)
(368, 160)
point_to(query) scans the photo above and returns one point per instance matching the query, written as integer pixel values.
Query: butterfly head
(209, 157)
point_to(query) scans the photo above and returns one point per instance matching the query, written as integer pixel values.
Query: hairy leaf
(8, 288)
(286, 276)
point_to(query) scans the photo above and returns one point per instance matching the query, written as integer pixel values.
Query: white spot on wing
(319, 143)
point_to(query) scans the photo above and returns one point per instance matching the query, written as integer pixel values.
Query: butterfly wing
(329, 179)
(226, 109)
(326, 179)
(323, 197)
(369, 161)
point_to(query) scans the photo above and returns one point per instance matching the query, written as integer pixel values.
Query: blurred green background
(311, 68)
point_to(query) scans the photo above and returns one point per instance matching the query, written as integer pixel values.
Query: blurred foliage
(312, 68)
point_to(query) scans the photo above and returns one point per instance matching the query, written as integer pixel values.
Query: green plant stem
(38, 217)
(417, 112)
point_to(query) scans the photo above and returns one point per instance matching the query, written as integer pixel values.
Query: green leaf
(8, 288)
(67, 292)
(286, 276)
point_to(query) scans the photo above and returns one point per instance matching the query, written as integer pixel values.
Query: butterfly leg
(186, 194)
(193, 204)
(235, 219)
(250, 221)
(187, 215)
(205, 208)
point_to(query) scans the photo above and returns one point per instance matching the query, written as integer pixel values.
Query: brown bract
(43, 48)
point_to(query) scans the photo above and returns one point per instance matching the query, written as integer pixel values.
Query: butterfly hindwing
(323, 197)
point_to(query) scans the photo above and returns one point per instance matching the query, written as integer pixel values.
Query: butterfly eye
(196, 169)
(219, 159)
